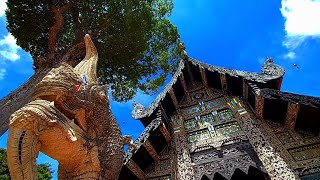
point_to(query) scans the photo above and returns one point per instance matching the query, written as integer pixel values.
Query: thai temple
(212, 123)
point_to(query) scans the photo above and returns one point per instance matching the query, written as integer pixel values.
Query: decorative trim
(226, 160)
(184, 169)
(142, 138)
(153, 106)
(270, 71)
(274, 164)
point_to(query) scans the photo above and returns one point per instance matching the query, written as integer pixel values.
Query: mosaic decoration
(209, 118)
(198, 136)
(191, 110)
(239, 155)
(315, 171)
(190, 125)
(285, 137)
(227, 129)
(236, 106)
(225, 114)
(215, 103)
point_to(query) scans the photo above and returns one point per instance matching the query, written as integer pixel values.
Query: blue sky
(229, 33)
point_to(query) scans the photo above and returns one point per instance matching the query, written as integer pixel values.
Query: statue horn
(88, 66)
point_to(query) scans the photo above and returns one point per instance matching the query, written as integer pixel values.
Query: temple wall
(217, 134)
(300, 150)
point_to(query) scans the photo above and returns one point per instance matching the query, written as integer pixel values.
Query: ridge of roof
(270, 71)
(291, 97)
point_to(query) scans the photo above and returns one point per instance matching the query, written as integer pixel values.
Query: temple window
(198, 135)
(189, 125)
(225, 114)
(227, 129)
(207, 119)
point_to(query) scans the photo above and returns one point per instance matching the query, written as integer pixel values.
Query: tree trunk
(18, 98)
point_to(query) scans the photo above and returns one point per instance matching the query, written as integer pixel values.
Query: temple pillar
(275, 166)
(184, 169)
(244, 90)
(223, 79)
(292, 114)
(259, 106)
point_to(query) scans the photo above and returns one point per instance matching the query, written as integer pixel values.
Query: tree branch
(103, 26)
(54, 29)
(57, 26)
(78, 31)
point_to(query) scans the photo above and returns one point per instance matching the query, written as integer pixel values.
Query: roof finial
(183, 52)
(269, 59)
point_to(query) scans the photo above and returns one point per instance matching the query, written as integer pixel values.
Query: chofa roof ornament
(271, 69)
(183, 52)
(138, 110)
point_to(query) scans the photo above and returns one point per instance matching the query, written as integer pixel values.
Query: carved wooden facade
(213, 123)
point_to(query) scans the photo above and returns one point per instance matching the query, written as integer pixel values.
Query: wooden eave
(148, 145)
(294, 111)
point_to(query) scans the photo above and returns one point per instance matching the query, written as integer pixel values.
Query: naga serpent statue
(68, 119)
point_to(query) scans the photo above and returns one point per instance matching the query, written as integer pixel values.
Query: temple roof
(260, 91)
(269, 72)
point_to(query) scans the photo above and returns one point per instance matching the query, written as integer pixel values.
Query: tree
(137, 44)
(44, 171)
(4, 170)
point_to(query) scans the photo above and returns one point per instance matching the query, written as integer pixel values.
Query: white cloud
(2, 73)
(290, 55)
(9, 48)
(301, 21)
(3, 7)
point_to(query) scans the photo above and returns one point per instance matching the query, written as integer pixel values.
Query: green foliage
(44, 171)
(137, 44)
(4, 171)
